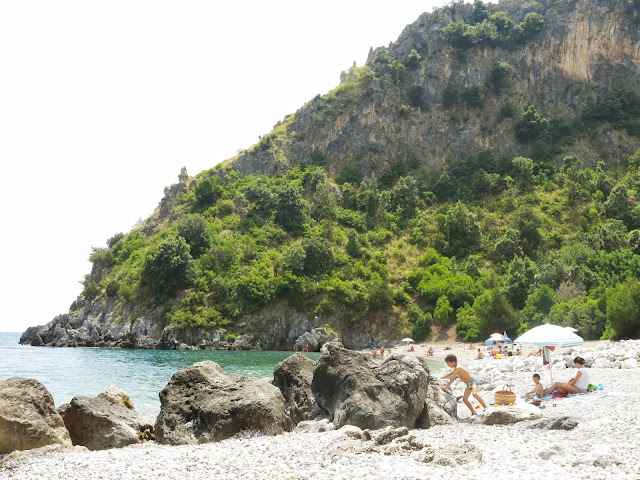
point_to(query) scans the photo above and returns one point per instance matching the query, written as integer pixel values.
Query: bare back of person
(463, 374)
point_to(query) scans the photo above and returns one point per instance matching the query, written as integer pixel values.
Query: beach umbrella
(496, 336)
(407, 340)
(548, 335)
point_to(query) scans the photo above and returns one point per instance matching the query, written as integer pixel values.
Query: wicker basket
(505, 395)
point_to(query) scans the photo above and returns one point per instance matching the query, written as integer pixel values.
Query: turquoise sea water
(67, 372)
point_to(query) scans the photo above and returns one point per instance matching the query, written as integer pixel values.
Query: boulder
(315, 426)
(507, 415)
(441, 407)
(316, 338)
(202, 403)
(117, 396)
(356, 390)
(28, 417)
(560, 423)
(98, 424)
(293, 377)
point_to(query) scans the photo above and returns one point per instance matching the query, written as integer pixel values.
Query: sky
(102, 104)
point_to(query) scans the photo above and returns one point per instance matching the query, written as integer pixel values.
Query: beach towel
(559, 395)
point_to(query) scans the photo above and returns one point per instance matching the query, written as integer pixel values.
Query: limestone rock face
(203, 404)
(293, 377)
(358, 391)
(117, 396)
(28, 418)
(98, 424)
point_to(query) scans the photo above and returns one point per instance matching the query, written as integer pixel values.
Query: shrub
(169, 268)
(415, 94)
(208, 191)
(193, 228)
(531, 125)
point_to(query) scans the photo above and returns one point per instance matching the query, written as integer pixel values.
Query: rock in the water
(28, 417)
(293, 377)
(316, 338)
(561, 423)
(98, 424)
(202, 404)
(506, 415)
(117, 396)
(358, 391)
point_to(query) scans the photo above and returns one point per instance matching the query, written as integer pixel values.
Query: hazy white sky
(102, 103)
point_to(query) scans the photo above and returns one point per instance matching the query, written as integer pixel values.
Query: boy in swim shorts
(464, 375)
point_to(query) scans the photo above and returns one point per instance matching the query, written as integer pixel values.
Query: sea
(67, 372)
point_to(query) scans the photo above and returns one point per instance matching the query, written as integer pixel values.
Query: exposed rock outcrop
(315, 339)
(202, 404)
(356, 390)
(98, 424)
(28, 418)
(293, 377)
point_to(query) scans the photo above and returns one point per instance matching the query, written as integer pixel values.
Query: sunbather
(538, 392)
(577, 384)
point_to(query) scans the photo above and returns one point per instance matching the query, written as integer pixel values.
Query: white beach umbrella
(548, 335)
(407, 340)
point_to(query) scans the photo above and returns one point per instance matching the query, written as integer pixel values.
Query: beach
(605, 443)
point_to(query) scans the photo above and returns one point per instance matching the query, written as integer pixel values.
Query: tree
(415, 93)
(169, 268)
(290, 208)
(520, 277)
(208, 191)
(480, 12)
(319, 257)
(526, 221)
(293, 258)
(379, 295)
(623, 310)
(531, 125)
(617, 205)
(539, 304)
(532, 24)
(193, 228)
(414, 60)
(500, 74)
(523, 172)
(443, 311)
(461, 231)
(508, 246)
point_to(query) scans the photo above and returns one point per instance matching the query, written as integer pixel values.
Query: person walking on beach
(577, 384)
(464, 375)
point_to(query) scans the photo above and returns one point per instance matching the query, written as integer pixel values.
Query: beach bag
(505, 395)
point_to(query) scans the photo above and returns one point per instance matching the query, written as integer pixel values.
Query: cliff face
(391, 111)
(583, 46)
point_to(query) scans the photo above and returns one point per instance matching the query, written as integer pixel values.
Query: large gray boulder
(356, 390)
(98, 424)
(203, 404)
(28, 417)
(293, 377)
(316, 338)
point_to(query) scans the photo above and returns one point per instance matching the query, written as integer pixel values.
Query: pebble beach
(605, 443)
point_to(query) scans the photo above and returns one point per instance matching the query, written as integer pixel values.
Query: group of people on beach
(578, 384)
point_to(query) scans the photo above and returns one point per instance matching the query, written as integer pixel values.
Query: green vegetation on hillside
(519, 243)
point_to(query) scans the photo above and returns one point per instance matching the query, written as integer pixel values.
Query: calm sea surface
(67, 372)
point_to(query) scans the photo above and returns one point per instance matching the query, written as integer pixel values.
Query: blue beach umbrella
(548, 335)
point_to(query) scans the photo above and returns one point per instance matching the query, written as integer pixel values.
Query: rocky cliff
(434, 96)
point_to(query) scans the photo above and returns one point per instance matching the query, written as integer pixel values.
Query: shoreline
(605, 444)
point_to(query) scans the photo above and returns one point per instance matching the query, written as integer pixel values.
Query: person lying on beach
(480, 355)
(464, 375)
(535, 354)
(577, 384)
(538, 392)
